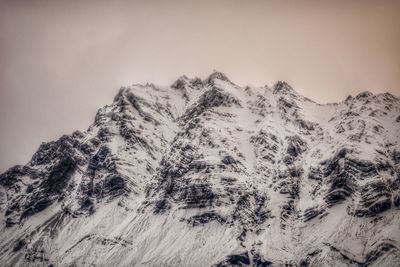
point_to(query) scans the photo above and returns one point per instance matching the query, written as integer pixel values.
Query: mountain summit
(207, 173)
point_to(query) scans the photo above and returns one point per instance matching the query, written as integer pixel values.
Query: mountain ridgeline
(208, 173)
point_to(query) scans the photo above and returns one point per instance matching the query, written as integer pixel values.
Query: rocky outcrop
(214, 97)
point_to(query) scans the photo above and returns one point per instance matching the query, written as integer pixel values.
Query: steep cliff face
(207, 173)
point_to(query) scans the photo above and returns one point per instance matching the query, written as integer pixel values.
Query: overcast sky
(61, 60)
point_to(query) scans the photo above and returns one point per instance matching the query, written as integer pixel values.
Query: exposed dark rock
(261, 106)
(133, 136)
(212, 98)
(336, 196)
(380, 206)
(21, 243)
(216, 75)
(228, 160)
(341, 181)
(258, 261)
(235, 260)
(47, 152)
(198, 196)
(296, 145)
(376, 197)
(205, 218)
(396, 156)
(198, 165)
(161, 206)
(282, 87)
(11, 175)
(266, 145)
(396, 200)
(51, 187)
(137, 104)
(244, 259)
(113, 186)
(103, 134)
(344, 171)
(315, 174)
(251, 210)
(36, 204)
(304, 262)
(286, 104)
(59, 176)
(377, 252)
(311, 213)
(98, 160)
(364, 95)
(306, 125)
(86, 206)
(183, 83)
(287, 210)
(371, 256)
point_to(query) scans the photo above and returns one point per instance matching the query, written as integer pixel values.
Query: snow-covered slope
(207, 173)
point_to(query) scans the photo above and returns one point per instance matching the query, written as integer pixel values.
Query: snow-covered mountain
(207, 173)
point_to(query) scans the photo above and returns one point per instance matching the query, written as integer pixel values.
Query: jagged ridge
(208, 173)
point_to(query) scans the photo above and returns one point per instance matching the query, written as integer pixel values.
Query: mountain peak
(216, 75)
(184, 81)
(364, 94)
(282, 87)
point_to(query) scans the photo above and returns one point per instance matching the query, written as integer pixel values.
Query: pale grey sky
(61, 60)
